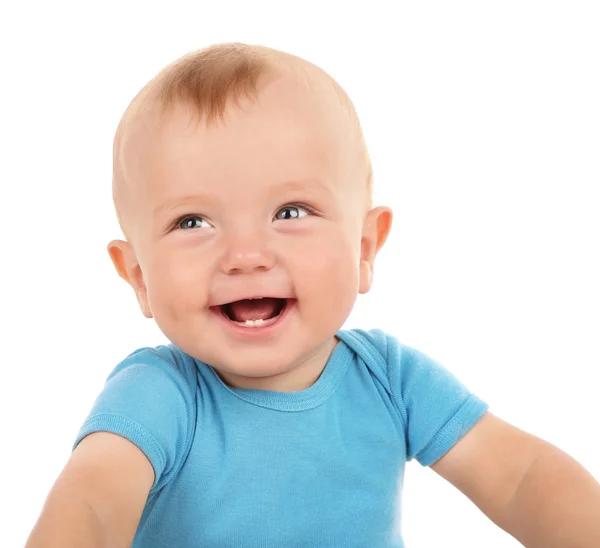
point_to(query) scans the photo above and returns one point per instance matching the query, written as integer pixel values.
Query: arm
(526, 486)
(98, 499)
(67, 521)
(556, 505)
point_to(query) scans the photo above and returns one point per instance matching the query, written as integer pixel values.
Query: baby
(243, 185)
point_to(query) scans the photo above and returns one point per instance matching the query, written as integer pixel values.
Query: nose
(246, 252)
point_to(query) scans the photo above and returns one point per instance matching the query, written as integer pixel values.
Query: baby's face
(269, 204)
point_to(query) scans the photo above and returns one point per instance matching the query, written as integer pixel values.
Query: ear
(376, 228)
(128, 268)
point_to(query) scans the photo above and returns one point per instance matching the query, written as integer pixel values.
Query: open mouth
(259, 312)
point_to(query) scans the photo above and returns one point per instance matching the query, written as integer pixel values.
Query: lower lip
(261, 331)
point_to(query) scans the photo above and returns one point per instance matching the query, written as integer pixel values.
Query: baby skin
(243, 185)
(270, 202)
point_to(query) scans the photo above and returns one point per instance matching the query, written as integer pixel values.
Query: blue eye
(188, 222)
(297, 211)
(293, 212)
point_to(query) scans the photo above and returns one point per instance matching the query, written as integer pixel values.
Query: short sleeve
(147, 400)
(438, 409)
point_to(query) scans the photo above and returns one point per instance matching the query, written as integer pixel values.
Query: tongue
(255, 309)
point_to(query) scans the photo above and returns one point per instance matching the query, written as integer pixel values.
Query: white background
(482, 119)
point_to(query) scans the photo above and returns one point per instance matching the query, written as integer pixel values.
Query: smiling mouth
(258, 312)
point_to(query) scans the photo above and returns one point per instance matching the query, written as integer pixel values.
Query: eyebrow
(303, 185)
(174, 204)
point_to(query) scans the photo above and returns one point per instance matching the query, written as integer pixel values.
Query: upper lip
(254, 296)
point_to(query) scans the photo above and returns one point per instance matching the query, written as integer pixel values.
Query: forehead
(293, 131)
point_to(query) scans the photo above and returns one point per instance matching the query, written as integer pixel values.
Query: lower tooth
(252, 323)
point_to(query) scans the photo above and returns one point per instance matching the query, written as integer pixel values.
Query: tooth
(252, 323)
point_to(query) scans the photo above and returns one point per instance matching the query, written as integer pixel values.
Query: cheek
(331, 268)
(175, 284)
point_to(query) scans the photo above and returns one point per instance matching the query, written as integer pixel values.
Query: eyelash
(306, 208)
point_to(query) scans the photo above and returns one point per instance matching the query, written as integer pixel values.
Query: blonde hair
(208, 80)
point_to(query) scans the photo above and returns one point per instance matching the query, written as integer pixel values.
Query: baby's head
(241, 172)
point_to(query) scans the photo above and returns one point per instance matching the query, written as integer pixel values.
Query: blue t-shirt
(323, 467)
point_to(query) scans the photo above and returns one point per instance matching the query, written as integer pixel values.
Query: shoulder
(376, 345)
(168, 359)
(365, 341)
(377, 349)
(150, 399)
